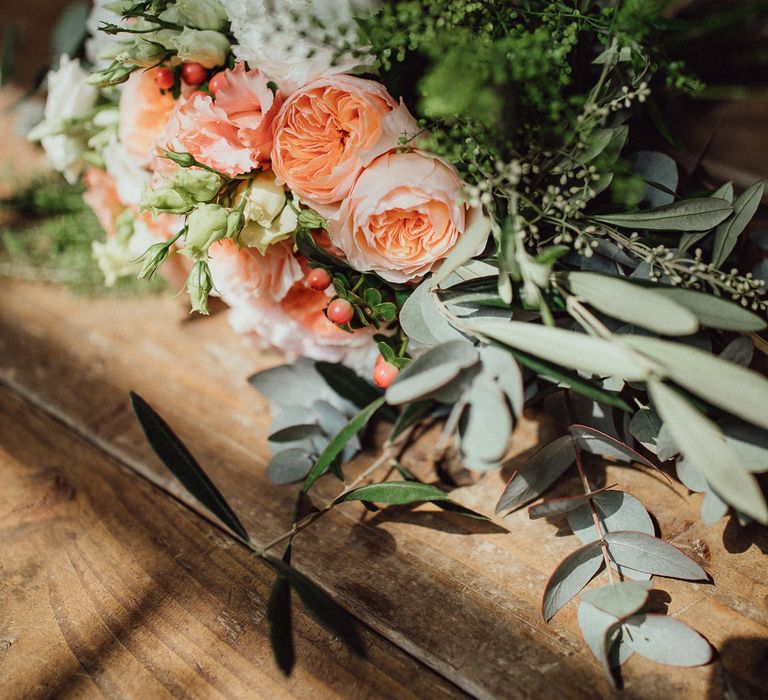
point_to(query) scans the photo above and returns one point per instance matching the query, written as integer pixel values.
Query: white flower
(70, 97)
(130, 177)
(119, 256)
(206, 47)
(268, 215)
(100, 46)
(284, 41)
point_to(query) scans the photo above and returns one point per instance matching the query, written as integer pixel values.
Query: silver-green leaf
(667, 640)
(570, 576)
(685, 215)
(727, 234)
(642, 552)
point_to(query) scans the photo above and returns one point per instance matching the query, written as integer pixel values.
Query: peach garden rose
(327, 131)
(403, 216)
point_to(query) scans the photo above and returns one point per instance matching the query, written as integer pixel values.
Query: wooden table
(112, 584)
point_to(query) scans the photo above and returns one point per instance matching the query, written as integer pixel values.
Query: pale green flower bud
(166, 200)
(113, 75)
(152, 259)
(309, 218)
(185, 160)
(200, 185)
(201, 14)
(199, 286)
(206, 225)
(144, 54)
(208, 48)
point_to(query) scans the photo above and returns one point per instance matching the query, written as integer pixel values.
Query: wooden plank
(459, 595)
(110, 588)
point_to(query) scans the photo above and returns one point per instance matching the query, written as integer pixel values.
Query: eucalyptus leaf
(644, 427)
(574, 350)
(570, 576)
(598, 443)
(70, 30)
(289, 466)
(651, 555)
(558, 506)
(396, 493)
(597, 627)
(617, 511)
(685, 215)
(295, 432)
(727, 233)
(486, 430)
(713, 508)
(422, 322)
(174, 454)
(338, 443)
(633, 303)
(619, 599)
(660, 172)
(538, 473)
(731, 387)
(690, 476)
(501, 366)
(704, 444)
(470, 244)
(712, 311)
(431, 371)
(666, 640)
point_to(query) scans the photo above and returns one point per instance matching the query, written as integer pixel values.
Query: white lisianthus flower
(69, 97)
(284, 40)
(269, 218)
(200, 14)
(120, 255)
(130, 178)
(100, 47)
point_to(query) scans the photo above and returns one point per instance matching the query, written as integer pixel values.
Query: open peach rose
(246, 273)
(327, 131)
(232, 133)
(402, 217)
(144, 114)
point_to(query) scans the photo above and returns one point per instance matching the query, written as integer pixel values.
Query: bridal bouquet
(442, 208)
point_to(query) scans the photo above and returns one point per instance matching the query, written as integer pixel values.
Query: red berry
(384, 374)
(217, 82)
(318, 279)
(340, 311)
(379, 360)
(193, 73)
(164, 78)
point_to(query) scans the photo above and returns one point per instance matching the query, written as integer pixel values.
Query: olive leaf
(567, 348)
(685, 215)
(687, 240)
(175, 455)
(396, 493)
(728, 232)
(633, 303)
(704, 444)
(338, 443)
(713, 312)
(731, 387)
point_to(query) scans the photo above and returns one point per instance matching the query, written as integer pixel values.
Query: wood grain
(110, 588)
(459, 595)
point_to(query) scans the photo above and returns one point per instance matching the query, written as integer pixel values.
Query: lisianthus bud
(185, 160)
(114, 74)
(142, 53)
(269, 218)
(201, 14)
(206, 225)
(181, 191)
(309, 218)
(199, 286)
(152, 259)
(208, 48)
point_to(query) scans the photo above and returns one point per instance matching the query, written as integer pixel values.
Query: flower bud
(208, 48)
(269, 217)
(206, 225)
(142, 53)
(185, 160)
(166, 200)
(114, 74)
(309, 218)
(199, 286)
(201, 14)
(152, 259)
